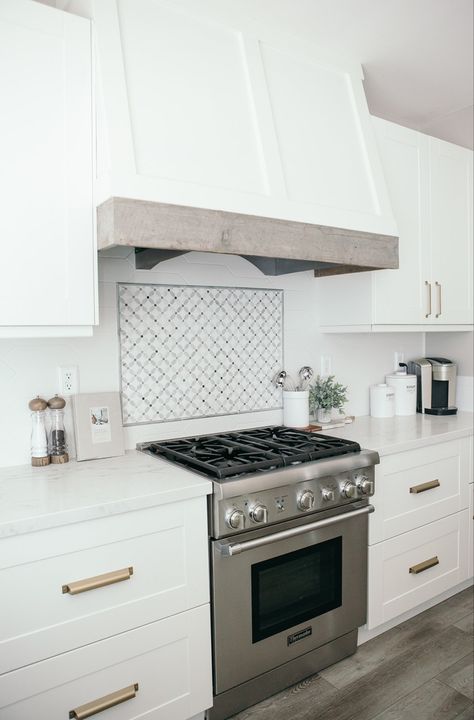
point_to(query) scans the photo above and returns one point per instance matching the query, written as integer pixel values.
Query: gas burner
(230, 455)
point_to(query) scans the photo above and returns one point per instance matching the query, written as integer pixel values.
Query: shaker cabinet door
(451, 204)
(46, 172)
(402, 296)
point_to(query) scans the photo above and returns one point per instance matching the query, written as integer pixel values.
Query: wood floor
(419, 670)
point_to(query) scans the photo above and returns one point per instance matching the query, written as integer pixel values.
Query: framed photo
(98, 427)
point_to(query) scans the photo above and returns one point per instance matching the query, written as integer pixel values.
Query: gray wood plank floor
(419, 670)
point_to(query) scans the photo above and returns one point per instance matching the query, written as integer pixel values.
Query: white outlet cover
(68, 379)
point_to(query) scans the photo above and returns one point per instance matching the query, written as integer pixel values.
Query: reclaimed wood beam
(160, 226)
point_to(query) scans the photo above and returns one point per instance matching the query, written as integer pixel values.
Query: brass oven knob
(235, 519)
(305, 500)
(258, 513)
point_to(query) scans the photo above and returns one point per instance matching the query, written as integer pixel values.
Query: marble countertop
(393, 435)
(39, 498)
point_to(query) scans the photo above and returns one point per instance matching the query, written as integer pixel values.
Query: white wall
(29, 367)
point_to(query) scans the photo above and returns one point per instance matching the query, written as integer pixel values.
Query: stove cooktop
(230, 455)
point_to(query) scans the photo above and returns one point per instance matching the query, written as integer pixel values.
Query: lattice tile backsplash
(190, 351)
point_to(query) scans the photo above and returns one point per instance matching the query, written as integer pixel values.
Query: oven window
(292, 588)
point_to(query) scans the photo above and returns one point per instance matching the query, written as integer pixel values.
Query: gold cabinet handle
(104, 703)
(79, 586)
(438, 287)
(425, 565)
(428, 287)
(425, 486)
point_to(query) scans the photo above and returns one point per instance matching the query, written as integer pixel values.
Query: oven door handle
(228, 550)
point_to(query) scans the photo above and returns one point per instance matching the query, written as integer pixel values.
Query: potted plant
(325, 395)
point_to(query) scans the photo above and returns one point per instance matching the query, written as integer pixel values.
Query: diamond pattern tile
(190, 351)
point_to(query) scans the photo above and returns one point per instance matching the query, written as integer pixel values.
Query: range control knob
(305, 500)
(366, 486)
(349, 490)
(327, 494)
(258, 513)
(235, 519)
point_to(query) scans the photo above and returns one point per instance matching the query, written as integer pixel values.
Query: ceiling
(417, 55)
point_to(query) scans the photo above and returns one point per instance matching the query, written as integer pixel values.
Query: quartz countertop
(44, 497)
(392, 435)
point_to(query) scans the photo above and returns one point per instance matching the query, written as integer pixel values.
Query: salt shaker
(39, 441)
(57, 434)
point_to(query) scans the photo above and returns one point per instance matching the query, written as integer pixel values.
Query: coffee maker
(435, 385)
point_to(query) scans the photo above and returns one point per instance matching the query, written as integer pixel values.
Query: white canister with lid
(405, 392)
(382, 400)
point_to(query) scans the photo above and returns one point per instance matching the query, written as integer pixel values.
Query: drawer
(165, 547)
(398, 577)
(419, 487)
(169, 660)
(471, 530)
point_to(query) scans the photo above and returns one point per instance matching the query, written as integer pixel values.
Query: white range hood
(213, 139)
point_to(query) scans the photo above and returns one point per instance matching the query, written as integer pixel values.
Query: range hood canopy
(160, 231)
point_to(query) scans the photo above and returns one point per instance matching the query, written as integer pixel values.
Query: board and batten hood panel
(262, 146)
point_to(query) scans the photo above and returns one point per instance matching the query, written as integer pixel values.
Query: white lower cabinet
(420, 534)
(160, 667)
(410, 569)
(94, 608)
(471, 530)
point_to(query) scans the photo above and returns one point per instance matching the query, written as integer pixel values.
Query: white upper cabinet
(451, 197)
(47, 223)
(204, 114)
(430, 187)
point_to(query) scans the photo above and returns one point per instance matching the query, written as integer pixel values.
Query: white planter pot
(296, 409)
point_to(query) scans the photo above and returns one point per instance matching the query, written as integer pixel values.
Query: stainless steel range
(288, 524)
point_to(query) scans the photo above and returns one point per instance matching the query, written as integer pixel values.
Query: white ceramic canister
(296, 409)
(405, 392)
(382, 400)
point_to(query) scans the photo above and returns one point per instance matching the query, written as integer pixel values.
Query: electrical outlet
(326, 365)
(68, 380)
(398, 357)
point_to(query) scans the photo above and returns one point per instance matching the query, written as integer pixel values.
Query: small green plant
(327, 394)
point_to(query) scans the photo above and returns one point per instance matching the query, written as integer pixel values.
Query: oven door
(279, 593)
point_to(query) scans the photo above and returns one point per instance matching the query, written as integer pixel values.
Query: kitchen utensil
(39, 442)
(305, 374)
(57, 434)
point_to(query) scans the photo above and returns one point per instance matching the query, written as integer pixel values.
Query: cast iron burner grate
(229, 455)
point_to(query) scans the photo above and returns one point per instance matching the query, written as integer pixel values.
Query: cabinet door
(451, 231)
(402, 296)
(46, 223)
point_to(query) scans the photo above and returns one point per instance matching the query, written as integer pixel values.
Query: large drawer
(163, 549)
(410, 569)
(169, 660)
(420, 486)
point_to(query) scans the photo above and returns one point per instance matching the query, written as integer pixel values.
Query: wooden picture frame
(98, 429)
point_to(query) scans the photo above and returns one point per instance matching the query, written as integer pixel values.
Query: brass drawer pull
(425, 565)
(425, 486)
(79, 586)
(104, 703)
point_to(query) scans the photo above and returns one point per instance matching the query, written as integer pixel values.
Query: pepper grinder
(39, 441)
(57, 436)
